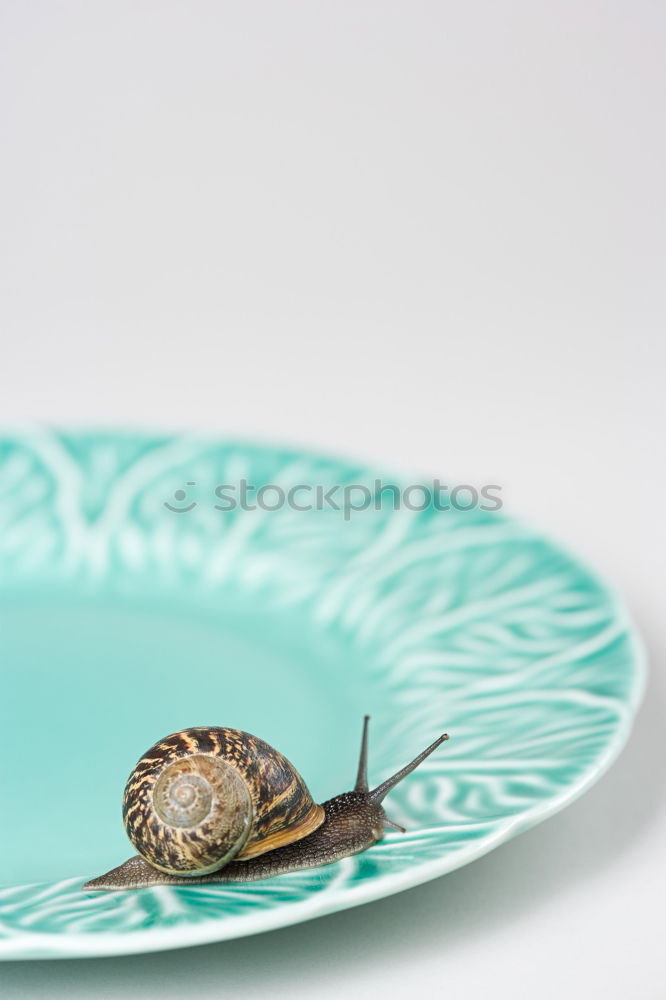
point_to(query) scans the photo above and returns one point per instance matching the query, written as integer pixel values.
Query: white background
(430, 235)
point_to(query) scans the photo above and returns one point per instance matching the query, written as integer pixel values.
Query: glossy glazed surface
(122, 620)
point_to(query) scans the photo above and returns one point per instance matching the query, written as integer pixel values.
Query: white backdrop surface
(430, 235)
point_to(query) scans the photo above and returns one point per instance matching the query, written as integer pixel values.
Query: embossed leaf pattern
(465, 615)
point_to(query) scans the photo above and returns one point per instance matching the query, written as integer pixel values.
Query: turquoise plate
(127, 613)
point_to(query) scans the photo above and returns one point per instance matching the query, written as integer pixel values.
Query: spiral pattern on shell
(202, 796)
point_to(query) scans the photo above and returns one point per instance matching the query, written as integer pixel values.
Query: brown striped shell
(203, 796)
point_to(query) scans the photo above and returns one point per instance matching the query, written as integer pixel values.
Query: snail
(208, 805)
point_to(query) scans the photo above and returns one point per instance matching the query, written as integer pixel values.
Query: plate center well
(89, 683)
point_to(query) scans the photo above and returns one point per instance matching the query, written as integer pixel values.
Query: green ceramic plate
(122, 620)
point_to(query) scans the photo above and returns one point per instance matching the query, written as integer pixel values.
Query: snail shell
(205, 795)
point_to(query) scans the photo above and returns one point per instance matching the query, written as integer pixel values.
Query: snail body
(212, 804)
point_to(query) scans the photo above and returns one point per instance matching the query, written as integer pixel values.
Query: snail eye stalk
(378, 794)
(362, 776)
